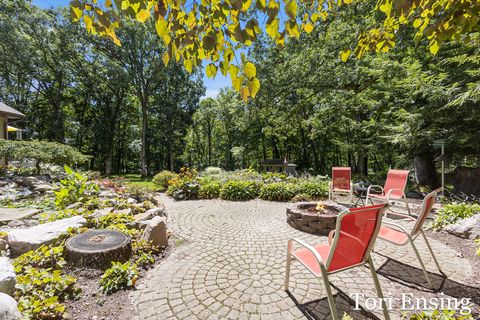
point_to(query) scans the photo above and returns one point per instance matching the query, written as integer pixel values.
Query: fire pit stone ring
(304, 216)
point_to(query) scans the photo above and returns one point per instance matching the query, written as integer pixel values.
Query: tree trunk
(362, 164)
(143, 156)
(425, 172)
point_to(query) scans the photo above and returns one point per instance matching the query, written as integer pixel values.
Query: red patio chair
(349, 246)
(341, 182)
(394, 189)
(398, 235)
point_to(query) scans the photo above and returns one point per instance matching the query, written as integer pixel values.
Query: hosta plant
(453, 212)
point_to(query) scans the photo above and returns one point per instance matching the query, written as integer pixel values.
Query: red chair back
(355, 235)
(427, 206)
(396, 179)
(341, 177)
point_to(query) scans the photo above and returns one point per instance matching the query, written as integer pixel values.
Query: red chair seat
(393, 235)
(381, 196)
(308, 259)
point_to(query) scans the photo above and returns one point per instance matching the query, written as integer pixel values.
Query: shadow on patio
(414, 278)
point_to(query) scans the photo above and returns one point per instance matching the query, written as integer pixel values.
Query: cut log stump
(98, 248)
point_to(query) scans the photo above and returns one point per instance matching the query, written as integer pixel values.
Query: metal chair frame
(324, 266)
(388, 197)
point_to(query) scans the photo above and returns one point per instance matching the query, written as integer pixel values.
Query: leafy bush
(213, 171)
(43, 258)
(144, 252)
(184, 189)
(277, 191)
(41, 152)
(119, 276)
(58, 215)
(74, 188)
(314, 189)
(436, 315)
(39, 293)
(451, 213)
(161, 179)
(209, 188)
(302, 197)
(239, 190)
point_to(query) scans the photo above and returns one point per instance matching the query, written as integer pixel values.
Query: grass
(137, 180)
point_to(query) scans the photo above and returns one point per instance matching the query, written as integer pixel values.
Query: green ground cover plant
(119, 276)
(453, 212)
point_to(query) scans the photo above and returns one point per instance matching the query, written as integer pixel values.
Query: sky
(213, 85)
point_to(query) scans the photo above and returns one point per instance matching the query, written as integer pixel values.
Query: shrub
(436, 315)
(277, 191)
(239, 190)
(119, 276)
(161, 179)
(451, 213)
(40, 292)
(41, 152)
(184, 189)
(74, 188)
(314, 189)
(209, 189)
(301, 198)
(213, 171)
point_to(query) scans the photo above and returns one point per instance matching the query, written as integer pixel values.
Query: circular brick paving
(232, 266)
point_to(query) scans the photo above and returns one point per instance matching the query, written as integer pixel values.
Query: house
(278, 166)
(7, 114)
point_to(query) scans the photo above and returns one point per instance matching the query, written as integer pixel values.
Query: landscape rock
(42, 188)
(126, 211)
(8, 308)
(107, 194)
(31, 222)
(468, 228)
(3, 244)
(9, 214)
(156, 231)
(24, 240)
(149, 214)
(7, 276)
(15, 224)
(98, 213)
(132, 200)
(26, 181)
(75, 205)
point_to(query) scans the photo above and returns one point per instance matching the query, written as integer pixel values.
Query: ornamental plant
(238, 190)
(74, 188)
(119, 276)
(277, 191)
(162, 178)
(453, 212)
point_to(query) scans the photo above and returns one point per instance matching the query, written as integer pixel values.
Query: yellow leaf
(250, 70)
(253, 87)
(434, 47)
(246, 4)
(211, 70)
(308, 27)
(291, 9)
(166, 58)
(417, 23)
(161, 27)
(76, 13)
(245, 93)
(261, 4)
(345, 55)
(188, 65)
(143, 15)
(108, 3)
(272, 28)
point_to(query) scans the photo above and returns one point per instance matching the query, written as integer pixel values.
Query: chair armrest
(398, 227)
(373, 186)
(331, 234)
(391, 190)
(309, 248)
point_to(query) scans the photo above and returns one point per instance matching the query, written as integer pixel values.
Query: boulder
(42, 188)
(132, 200)
(156, 231)
(26, 181)
(149, 214)
(107, 194)
(98, 213)
(24, 240)
(468, 228)
(75, 205)
(9, 214)
(3, 244)
(126, 211)
(7, 276)
(8, 308)
(16, 224)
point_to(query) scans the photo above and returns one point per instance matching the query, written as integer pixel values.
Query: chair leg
(378, 288)
(432, 254)
(287, 271)
(421, 264)
(331, 300)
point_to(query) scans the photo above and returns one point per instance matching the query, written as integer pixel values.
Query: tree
(213, 30)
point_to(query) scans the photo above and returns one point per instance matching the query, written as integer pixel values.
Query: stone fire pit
(304, 216)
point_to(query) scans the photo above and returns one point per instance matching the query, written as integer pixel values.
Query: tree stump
(98, 248)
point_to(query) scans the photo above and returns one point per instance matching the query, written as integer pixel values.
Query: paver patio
(232, 266)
